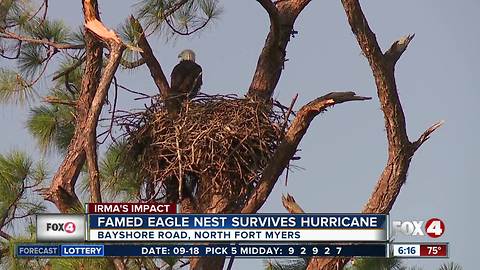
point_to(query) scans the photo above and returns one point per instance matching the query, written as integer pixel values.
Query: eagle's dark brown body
(186, 79)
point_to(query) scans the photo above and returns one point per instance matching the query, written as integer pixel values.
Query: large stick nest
(220, 143)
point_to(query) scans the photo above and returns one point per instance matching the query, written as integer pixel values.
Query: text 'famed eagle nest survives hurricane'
(222, 143)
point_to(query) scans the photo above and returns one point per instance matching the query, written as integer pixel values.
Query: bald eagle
(186, 77)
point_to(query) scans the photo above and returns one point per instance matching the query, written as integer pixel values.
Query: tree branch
(272, 58)
(62, 188)
(400, 149)
(174, 8)
(151, 61)
(426, 135)
(56, 100)
(5, 235)
(90, 102)
(116, 49)
(60, 46)
(398, 47)
(274, 17)
(155, 68)
(78, 63)
(291, 205)
(187, 32)
(132, 64)
(287, 148)
(94, 90)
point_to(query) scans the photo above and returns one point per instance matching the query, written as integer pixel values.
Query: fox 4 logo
(434, 227)
(68, 227)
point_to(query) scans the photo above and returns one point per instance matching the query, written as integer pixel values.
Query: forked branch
(60, 46)
(400, 149)
(271, 61)
(287, 148)
(291, 205)
(154, 66)
(94, 90)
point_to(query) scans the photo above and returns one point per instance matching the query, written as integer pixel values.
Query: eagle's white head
(187, 55)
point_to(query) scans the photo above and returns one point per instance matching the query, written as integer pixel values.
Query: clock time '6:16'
(406, 250)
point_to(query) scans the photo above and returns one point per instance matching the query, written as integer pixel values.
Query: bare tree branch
(60, 46)
(119, 264)
(398, 47)
(187, 32)
(155, 69)
(287, 148)
(270, 63)
(400, 149)
(116, 49)
(93, 93)
(78, 63)
(62, 189)
(211, 263)
(426, 135)
(94, 90)
(55, 100)
(5, 235)
(272, 11)
(291, 205)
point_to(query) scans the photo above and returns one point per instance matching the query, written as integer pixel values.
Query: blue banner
(37, 250)
(82, 251)
(252, 221)
(244, 250)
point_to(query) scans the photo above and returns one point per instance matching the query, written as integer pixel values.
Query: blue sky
(344, 150)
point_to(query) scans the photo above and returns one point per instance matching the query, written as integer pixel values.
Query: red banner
(131, 208)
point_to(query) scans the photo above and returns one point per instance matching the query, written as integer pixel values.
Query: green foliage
(34, 57)
(31, 59)
(76, 37)
(73, 76)
(18, 13)
(377, 263)
(81, 263)
(120, 175)
(14, 88)
(130, 34)
(287, 264)
(392, 264)
(52, 30)
(450, 266)
(190, 17)
(170, 261)
(8, 260)
(52, 126)
(18, 175)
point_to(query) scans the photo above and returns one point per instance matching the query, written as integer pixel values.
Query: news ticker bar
(200, 250)
(404, 250)
(213, 227)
